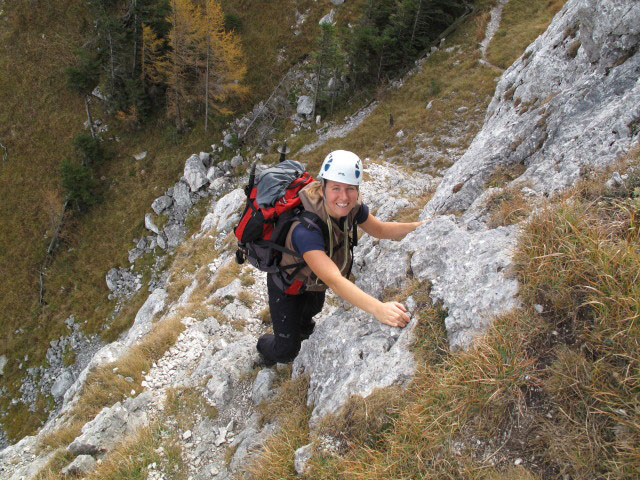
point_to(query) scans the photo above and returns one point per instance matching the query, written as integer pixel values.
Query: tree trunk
(415, 23)
(89, 119)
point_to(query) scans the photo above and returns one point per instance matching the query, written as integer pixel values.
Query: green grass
(522, 21)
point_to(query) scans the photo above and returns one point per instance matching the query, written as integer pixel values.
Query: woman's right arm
(389, 313)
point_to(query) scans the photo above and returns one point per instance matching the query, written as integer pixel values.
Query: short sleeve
(305, 240)
(362, 214)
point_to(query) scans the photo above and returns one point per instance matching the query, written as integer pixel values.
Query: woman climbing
(324, 236)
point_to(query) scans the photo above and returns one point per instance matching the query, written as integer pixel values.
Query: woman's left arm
(379, 229)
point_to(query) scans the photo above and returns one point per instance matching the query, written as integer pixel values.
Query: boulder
(181, 196)
(328, 18)
(226, 212)
(213, 173)
(468, 272)
(111, 425)
(195, 173)
(352, 353)
(236, 161)
(302, 456)
(175, 233)
(144, 318)
(62, 384)
(81, 465)
(160, 204)
(305, 105)
(149, 224)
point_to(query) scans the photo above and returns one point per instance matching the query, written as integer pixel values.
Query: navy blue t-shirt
(305, 240)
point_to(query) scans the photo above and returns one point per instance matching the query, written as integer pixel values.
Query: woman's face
(340, 198)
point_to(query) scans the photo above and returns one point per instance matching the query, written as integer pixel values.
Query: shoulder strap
(312, 221)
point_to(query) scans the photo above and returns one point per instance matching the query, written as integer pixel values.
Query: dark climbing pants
(292, 319)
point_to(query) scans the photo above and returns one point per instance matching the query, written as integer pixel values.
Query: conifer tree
(223, 61)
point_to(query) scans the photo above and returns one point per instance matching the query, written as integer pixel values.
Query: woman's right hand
(393, 314)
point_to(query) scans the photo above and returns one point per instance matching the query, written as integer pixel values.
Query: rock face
(569, 103)
(467, 273)
(104, 432)
(351, 353)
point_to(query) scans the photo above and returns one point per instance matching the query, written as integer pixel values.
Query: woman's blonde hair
(314, 190)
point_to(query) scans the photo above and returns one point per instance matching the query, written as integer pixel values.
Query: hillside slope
(199, 395)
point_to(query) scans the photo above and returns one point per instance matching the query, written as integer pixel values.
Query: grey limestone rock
(122, 282)
(226, 212)
(236, 161)
(160, 204)
(468, 273)
(205, 158)
(107, 430)
(301, 458)
(250, 440)
(144, 317)
(181, 196)
(225, 367)
(195, 173)
(262, 386)
(328, 18)
(213, 173)
(564, 106)
(175, 233)
(305, 105)
(149, 225)
(81, 465)
(352, 353)
(62, 384)
(3, 362)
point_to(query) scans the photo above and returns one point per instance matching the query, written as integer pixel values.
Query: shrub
(84, 75)
(90, 148)
(232, 22)
(81, 188)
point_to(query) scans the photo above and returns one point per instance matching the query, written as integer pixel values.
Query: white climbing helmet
(342, 166)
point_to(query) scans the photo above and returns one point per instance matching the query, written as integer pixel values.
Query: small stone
(518, 461)
(140, 156)
(186, 435)
(400, 134)
(538, 308)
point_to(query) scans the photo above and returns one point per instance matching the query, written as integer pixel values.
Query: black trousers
(292, 319)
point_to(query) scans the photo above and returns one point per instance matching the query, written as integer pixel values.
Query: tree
(224, 62)
(205, 63)
(328, 65)
(79, 185)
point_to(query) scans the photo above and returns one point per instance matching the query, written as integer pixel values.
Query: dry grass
(132, 459)
(410, 214)
(507, 207)
(275, 461)
(108, 384)
(522, 21)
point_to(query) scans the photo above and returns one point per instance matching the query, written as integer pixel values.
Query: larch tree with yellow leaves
(224, 63)
(205, 63)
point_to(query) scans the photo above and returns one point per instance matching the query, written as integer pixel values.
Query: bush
(232, 22)
(79, 184)
(84, 75)
(89, 148)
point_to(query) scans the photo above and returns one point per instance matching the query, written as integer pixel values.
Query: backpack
(272, 206)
